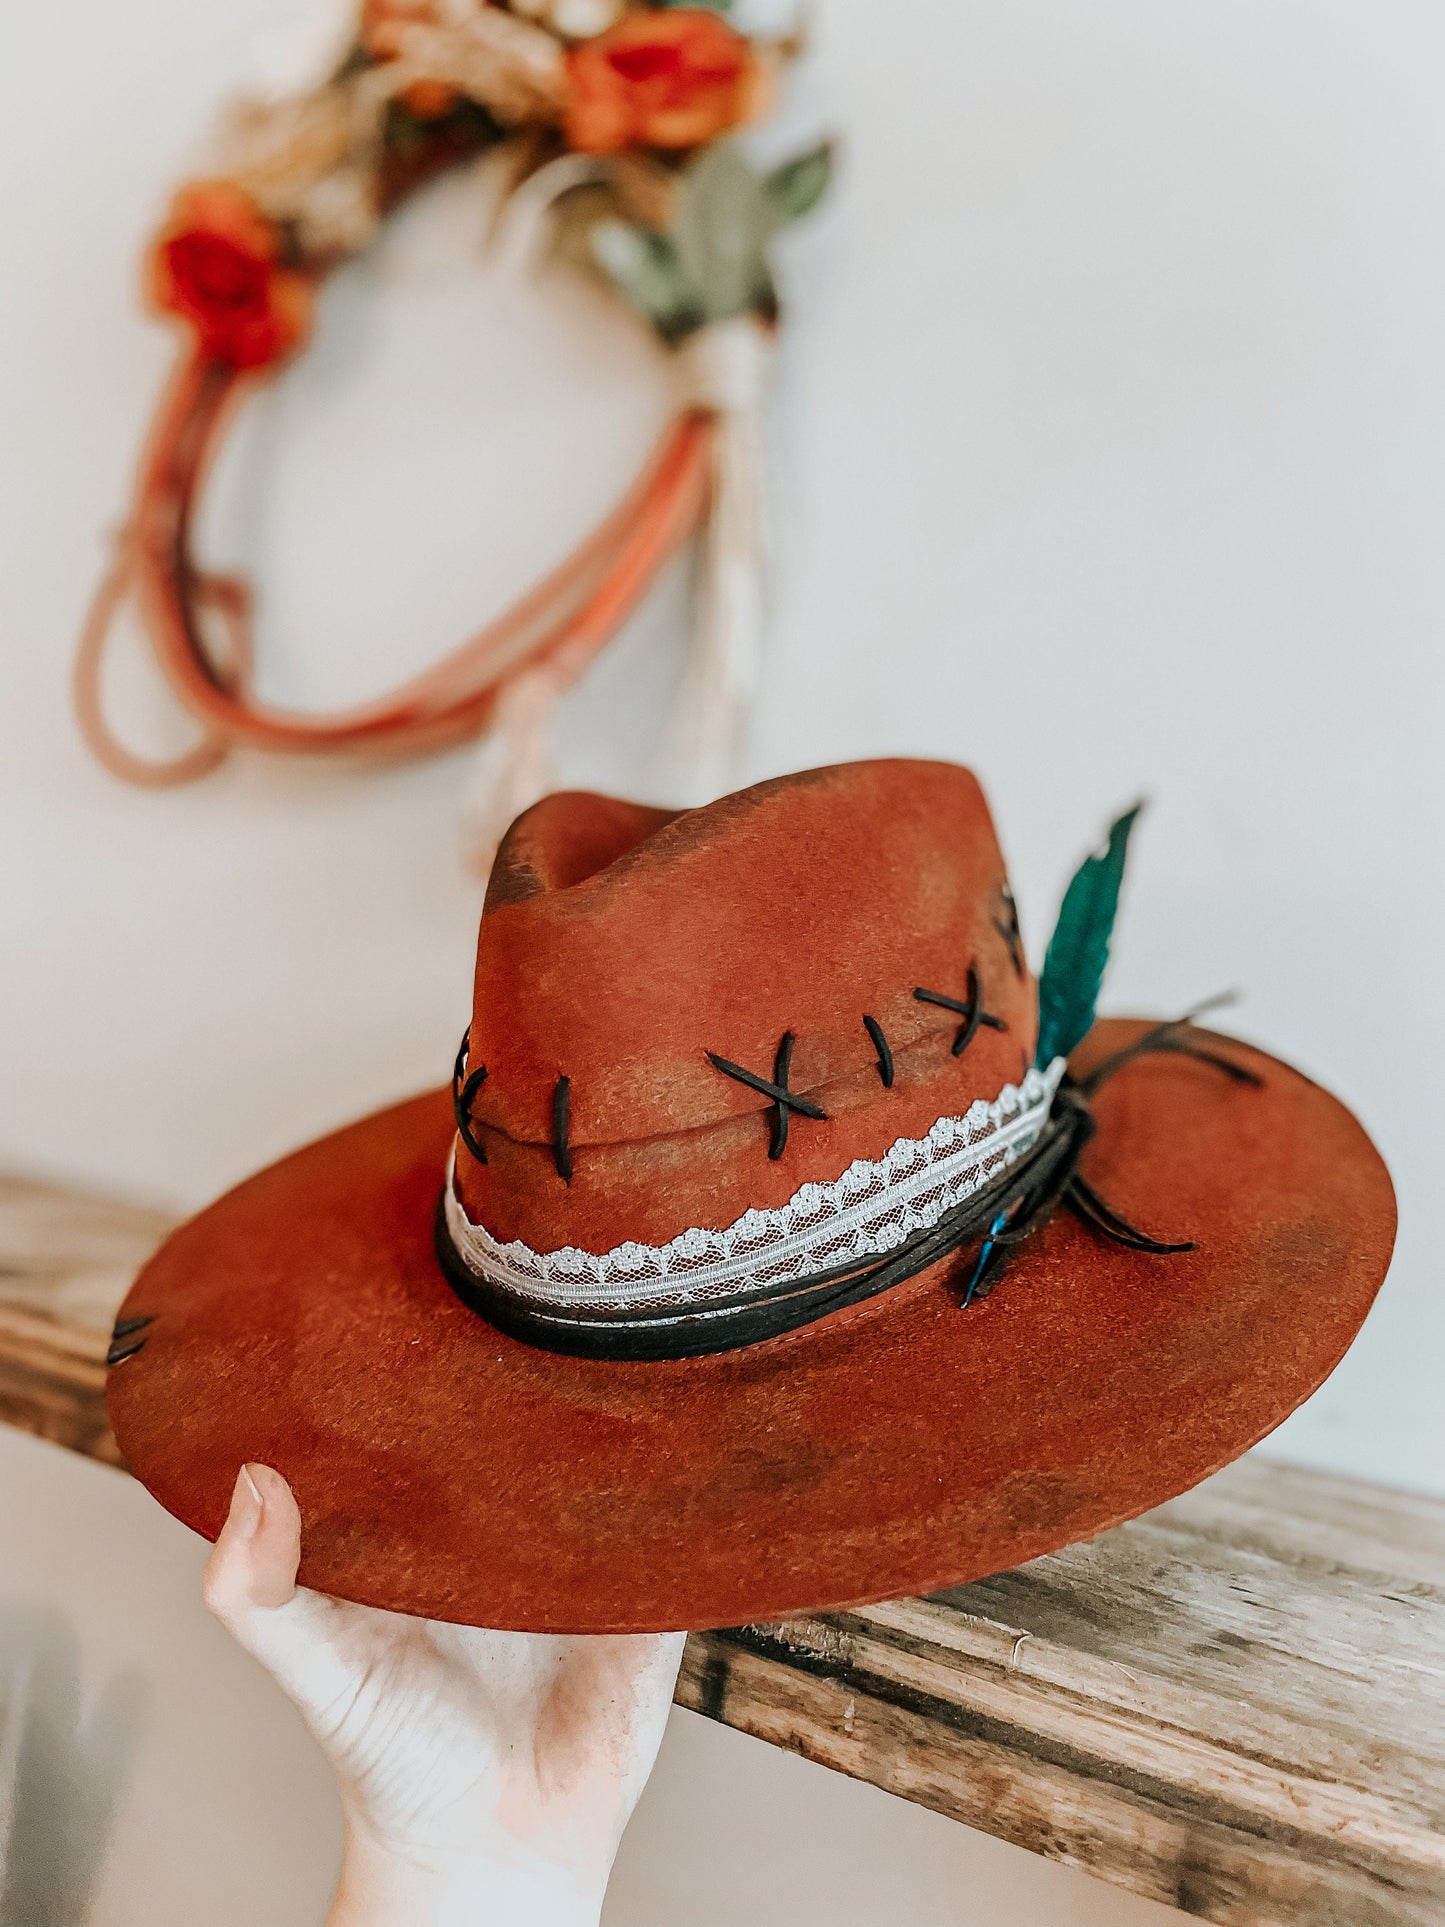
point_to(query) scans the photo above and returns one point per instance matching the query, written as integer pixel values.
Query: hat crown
(627, 950)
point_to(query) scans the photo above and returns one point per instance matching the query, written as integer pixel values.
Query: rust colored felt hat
(780, 1244)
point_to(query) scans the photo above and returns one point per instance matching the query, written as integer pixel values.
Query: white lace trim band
(869, 1210)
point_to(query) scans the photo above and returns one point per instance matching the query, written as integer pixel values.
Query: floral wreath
(613, 116)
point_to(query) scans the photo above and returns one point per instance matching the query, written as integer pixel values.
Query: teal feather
(1074, 963)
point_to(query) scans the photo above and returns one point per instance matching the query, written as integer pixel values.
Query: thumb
(250, 1586)
(253, 1563)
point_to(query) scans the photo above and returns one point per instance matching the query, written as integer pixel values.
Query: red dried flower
(217, 265)
(671, 78)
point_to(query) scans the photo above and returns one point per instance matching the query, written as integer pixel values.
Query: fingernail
(247, 1505)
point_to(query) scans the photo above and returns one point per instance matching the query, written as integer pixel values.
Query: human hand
(484, 1776)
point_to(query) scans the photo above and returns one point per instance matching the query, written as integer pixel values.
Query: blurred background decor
(618, 116)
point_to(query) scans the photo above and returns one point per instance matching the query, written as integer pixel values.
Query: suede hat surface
(700, 1044)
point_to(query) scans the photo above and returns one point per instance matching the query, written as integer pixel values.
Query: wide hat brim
(444, 1469)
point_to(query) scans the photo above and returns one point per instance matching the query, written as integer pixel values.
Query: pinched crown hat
(780, 1244)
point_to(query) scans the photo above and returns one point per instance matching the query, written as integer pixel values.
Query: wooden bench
(1235, 1705)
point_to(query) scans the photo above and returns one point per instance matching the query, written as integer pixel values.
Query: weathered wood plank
(1153, 1840)
(1235, 1705)
(66, 1261)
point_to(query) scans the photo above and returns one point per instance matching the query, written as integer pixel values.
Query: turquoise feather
(1074, 963)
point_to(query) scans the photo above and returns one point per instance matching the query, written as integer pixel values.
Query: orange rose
(217, 265)
(670, 77)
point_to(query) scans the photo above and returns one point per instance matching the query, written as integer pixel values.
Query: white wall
(1111, 447)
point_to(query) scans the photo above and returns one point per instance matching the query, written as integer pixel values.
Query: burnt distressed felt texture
(636, 951)
(1232, 1704)
(445, 1469)
(898, 1446)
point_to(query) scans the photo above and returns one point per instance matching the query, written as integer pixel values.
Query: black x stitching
(126, 1329)
(466, 1083)
(1010, 931)
(999, 1217)
(885, 1054)
(971, 1011)
(784, 1101)
(561, 1126)
(464, 1089)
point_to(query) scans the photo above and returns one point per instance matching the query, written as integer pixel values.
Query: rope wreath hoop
(611, 119)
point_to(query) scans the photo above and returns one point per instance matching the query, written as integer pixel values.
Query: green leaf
(1079, 948)
(724, 222)
(798, 185)
(712, 262)
(644, 268)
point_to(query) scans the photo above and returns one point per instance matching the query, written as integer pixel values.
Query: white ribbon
(522, 222)
(870, 1209)
(724, 369)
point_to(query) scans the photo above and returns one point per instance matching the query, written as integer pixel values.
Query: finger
(608, 1707)
(656, 1660)
(253, 1563)
(250, 1585)
(660, 1665)
(643, 1667)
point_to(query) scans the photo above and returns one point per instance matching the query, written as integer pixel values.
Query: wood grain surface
(1235, 1705)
